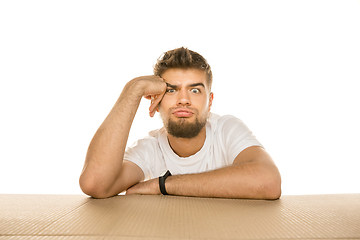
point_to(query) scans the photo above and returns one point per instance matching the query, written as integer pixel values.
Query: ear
(211, 98)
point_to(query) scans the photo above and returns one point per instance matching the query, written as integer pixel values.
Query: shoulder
(225, 122)
(215, 118)
(149, 143)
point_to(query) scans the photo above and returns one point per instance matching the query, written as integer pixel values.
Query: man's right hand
(153, 88)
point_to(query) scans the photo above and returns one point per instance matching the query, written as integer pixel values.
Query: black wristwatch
(162, 182)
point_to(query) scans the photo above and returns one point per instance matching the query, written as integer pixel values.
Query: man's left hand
(150, 187)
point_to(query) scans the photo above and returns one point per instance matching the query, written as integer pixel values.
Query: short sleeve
(139, 153)
(236, 136)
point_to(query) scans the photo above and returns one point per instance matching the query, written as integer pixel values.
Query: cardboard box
(171, 217)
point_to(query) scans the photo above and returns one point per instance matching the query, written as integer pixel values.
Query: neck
(185, 147)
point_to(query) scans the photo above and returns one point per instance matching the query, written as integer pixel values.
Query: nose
(183, 98)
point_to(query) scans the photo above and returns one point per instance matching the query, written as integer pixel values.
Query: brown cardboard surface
(38, 217)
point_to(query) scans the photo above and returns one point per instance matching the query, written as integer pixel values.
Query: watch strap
(162, 182)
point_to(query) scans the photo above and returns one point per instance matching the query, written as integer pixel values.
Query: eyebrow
(197, 84)
(191, 85)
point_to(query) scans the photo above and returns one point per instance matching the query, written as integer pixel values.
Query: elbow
(91, 188)
(273, 192)
(272, 188)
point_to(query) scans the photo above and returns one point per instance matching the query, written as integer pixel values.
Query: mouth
(182, 113)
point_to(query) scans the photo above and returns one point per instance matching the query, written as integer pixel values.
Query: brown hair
(183, 58)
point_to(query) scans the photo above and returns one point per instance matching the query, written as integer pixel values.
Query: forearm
(245, 180)
(106, 150)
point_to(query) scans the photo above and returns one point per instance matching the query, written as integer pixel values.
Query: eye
(195, 90)
(170, 90)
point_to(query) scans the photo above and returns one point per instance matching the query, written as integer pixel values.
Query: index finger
(155, 103)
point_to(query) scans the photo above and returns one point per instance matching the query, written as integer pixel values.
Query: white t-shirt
(226, 137)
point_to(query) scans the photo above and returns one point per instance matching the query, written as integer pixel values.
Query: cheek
(164, 104)
(205, 104)
(167, 101)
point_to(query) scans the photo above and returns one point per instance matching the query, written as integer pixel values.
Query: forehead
(177, 76)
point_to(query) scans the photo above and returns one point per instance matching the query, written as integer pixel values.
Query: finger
(148, 97)
(154, 104)
(152, 112)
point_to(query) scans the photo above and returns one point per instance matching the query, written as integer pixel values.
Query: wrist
(135, 87)
(162, 180)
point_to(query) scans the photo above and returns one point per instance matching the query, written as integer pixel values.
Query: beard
(184, 129)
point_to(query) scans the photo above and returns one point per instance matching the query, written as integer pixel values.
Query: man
(203, 154)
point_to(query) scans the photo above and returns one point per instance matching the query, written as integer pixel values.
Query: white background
(289, 69)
